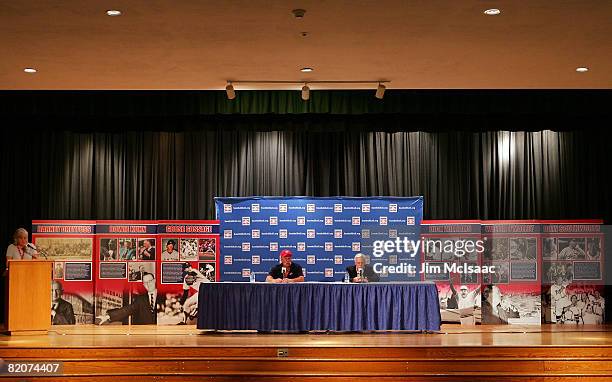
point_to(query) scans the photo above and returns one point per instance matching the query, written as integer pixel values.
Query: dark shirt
(295, 271)
(140, 310)
(368, 273)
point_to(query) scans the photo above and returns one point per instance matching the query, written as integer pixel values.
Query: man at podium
(21, 249)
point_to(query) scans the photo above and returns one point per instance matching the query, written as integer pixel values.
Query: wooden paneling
(173, 354)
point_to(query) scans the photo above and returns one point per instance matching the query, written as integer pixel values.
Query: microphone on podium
(33, 247)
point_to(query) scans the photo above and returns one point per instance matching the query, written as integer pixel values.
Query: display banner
(126, 277)
(324, 235)
(451, 256)
(572, 272)
(511, 295)
(70, 244)
(188, 257)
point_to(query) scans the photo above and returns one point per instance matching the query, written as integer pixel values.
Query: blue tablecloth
(318, 306)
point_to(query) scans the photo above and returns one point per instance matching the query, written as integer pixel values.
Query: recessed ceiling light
(492, 12)
(306, 70)
(30, 70)
(582, 69)
(113, 12)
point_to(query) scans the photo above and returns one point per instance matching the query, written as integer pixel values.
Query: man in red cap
(287, 271)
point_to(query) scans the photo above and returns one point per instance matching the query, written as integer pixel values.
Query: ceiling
(415, 44)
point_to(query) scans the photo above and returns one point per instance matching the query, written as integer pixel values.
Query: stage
(549, 352)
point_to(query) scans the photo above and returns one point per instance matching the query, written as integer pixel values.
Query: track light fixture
(305, 92)
(380, 90)
(229, 89)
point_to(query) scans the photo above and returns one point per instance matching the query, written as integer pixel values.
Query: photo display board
(188, 257)
(572, 272)
(126, 252)
(70, 245)
(451, 256)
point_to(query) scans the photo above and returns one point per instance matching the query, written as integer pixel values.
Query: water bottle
(252, 277)
(346, 277)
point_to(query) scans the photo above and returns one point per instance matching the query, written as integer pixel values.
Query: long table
(318, 306)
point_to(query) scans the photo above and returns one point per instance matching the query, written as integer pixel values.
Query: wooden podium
(28, 290)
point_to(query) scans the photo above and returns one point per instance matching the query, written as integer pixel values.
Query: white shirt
(13, 253)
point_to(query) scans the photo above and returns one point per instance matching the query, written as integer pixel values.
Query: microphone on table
(361, 274)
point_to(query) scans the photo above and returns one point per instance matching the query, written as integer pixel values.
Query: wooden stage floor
(456, 353)
(450, 335)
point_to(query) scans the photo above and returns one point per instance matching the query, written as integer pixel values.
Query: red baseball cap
(286, 253)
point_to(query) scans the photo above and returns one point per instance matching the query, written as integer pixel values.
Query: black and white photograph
(496, 248)
(557, 272)
(65, 248)
(189, 250)
(593, 248)
(572, 248)
(108, 250)
(208, 270)
(549, 248)
(137, 269)
(521, 248)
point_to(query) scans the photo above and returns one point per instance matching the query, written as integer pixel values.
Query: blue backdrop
(324, 234)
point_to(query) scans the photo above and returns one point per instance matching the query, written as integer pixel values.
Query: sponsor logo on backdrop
(255, 260)
(392, 207)
(282, 207)
(227, 208)
(246, 247)
(310, 259)
(227, 234)
(227, 260)
(273, 247)
(301, 220)
(329, 272)
(310, 233)
(255, 234)
(329, 220)
(338, 207)
(337, 234)
(410, 220)
(365, 233)
(246, 272)
(282, 234)
(338, 259)
(301, 247)
(365, 207)
(356, 246)
(383, 220)
(392, 233)
(356, 220)
(273, 220)
(329, 247)
(246, 220)
(255, 207)
(310, 208)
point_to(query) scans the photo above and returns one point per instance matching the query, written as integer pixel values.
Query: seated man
(361, 272)
(287, 271)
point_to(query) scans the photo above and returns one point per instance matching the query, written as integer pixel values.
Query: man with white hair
(361, 272)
